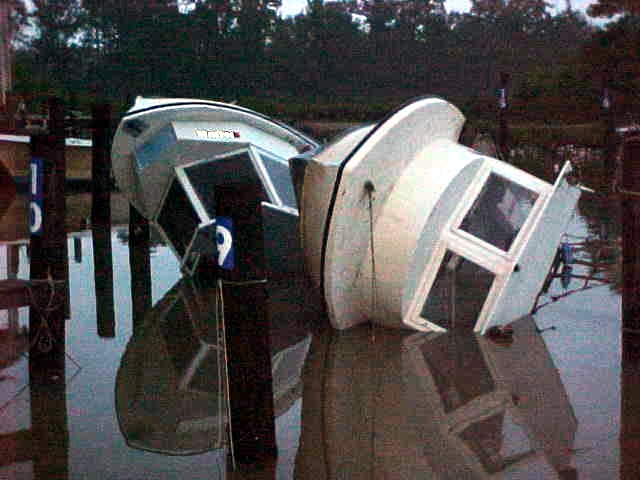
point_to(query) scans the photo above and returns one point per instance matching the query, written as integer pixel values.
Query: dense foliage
(343, 60)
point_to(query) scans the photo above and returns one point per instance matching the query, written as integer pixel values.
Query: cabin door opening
(458, 293)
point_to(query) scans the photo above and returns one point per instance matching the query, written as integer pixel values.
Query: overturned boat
(207, 174)
(403, 226)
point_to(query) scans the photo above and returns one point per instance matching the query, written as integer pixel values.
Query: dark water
(166, 397)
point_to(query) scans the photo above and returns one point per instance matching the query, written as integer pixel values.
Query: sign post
(48, 250)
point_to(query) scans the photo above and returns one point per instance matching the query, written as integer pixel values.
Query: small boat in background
(403, 226)
(186, 163)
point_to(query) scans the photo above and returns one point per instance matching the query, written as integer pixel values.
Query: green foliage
(324, 64)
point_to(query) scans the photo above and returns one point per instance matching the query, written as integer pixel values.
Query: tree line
(346, 59)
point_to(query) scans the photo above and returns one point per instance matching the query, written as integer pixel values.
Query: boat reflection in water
(445, 406)
(170, 387)
(173, 392)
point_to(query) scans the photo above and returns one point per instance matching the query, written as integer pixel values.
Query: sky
(293, 7)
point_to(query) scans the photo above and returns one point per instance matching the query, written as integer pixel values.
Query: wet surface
(214, 379)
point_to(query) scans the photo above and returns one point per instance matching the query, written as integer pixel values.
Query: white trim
(69, 142)
(283, 208)
(242, 148)
(15, 138)
(263, 173)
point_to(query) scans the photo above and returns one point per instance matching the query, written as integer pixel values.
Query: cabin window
(278, 171)
(231, 170)
(150, 151)
(178, 218)
(499, 212)
(458, 293)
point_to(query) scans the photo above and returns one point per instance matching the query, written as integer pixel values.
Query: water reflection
(446, 406)
(171, 384)
(182, 385)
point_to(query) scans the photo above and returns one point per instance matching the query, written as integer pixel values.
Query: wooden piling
(100, 163)
(608, 119)
(49, 440)
(630, 211)
(103, 276)
(503, 107)
(250, 380)
(48, 253)
(139, 266)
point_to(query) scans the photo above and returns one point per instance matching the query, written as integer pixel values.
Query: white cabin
(403, 226)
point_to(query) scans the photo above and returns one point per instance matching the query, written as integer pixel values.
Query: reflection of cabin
(502, 406)
(440, 406)
(15, 155)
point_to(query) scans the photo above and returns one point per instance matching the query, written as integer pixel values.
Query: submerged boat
(205, 172)
(403, 226)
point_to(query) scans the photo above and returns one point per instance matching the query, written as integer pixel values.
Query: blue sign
(224, 240)
(36, 191)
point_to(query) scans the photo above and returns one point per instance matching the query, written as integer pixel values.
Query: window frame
(493, 259)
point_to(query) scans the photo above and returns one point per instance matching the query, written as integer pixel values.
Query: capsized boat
(403, 226)
(186, 163)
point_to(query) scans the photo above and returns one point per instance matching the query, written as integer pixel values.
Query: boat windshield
(278, 171)
(178, 218)
(206, 176)
(149, 152)
(499, 212)
(457, 293)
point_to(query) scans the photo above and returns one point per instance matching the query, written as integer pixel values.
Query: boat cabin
(403, 226)
(202, 172)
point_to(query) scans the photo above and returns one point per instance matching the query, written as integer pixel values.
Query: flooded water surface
(226, 380)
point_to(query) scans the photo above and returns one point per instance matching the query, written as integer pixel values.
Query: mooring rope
(43, 337)
(220, 306)
(369, 189)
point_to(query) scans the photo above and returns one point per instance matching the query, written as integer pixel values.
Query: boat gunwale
(235, 108)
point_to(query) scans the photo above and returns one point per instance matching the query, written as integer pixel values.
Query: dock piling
(140, 266)
(503, 106)
(630, 240)
(250, 379)
(48, 250)
(630, 358)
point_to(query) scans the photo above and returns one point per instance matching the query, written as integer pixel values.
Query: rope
(43, 337)
(220, 306)
(628, 193)
(369, 188)
(244, 282)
